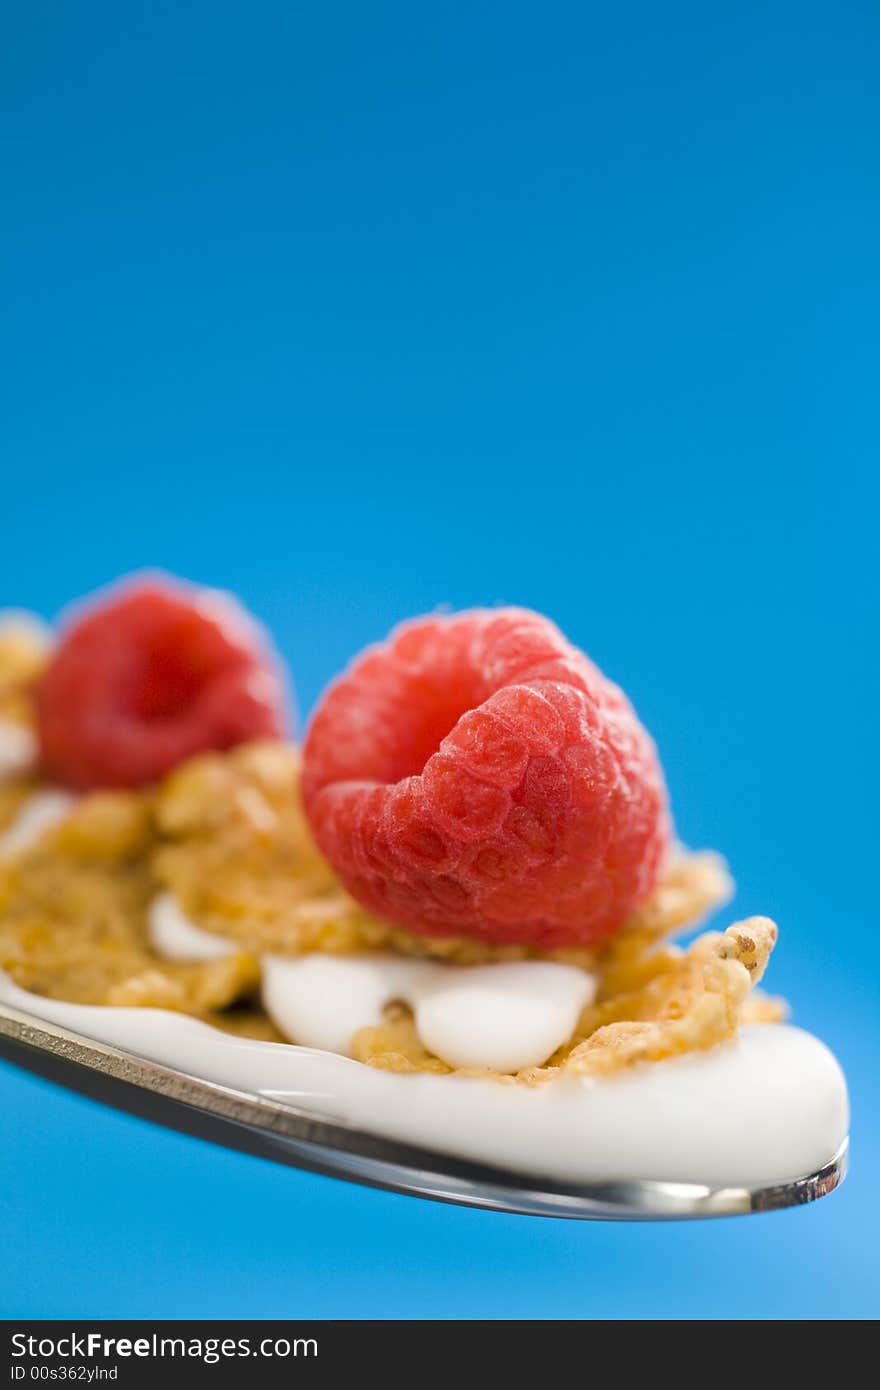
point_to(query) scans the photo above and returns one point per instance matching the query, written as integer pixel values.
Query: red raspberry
(477, 774)
(150, 676)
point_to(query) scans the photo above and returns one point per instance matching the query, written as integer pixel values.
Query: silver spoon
(276, 1130)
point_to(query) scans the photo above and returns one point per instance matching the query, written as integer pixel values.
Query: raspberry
(148, 677)
(477, 774)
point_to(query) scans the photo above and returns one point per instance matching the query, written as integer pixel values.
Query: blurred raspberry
(477, 774)
(150, 675)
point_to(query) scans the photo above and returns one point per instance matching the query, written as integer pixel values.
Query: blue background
(361, 309)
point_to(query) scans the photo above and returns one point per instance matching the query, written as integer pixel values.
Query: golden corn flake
(24, 651)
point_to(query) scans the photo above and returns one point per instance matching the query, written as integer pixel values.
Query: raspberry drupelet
(476, 774)
(150, 675)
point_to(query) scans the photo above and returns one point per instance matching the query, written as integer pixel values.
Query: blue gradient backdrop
(361, 309)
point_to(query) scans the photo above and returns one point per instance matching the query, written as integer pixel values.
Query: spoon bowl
(278, 1130)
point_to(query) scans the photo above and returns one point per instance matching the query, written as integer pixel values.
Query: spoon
(280, 1131)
